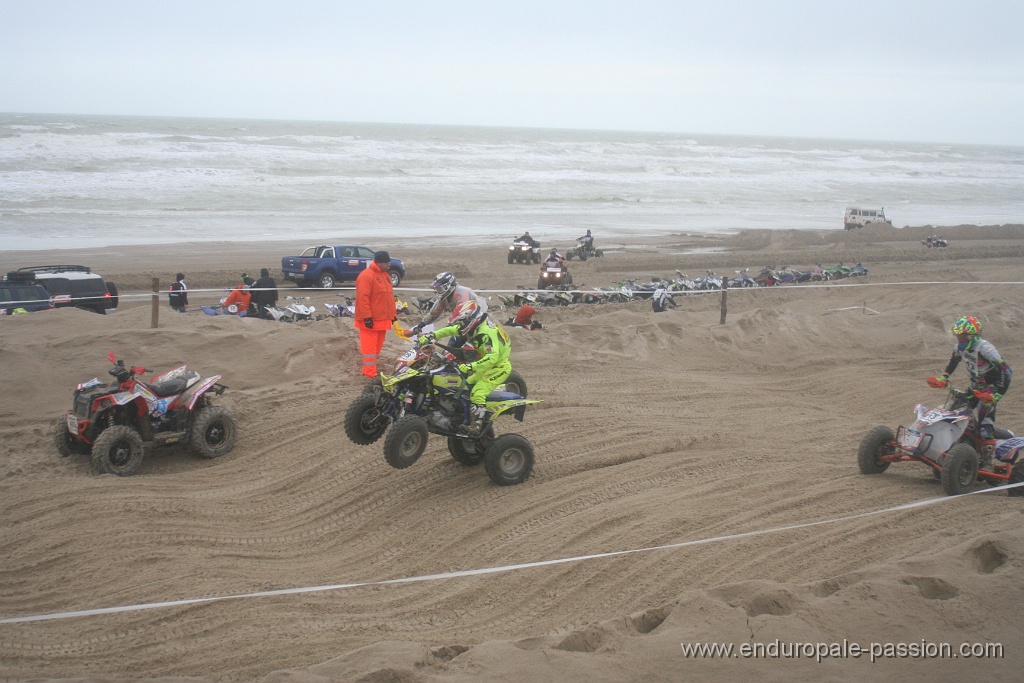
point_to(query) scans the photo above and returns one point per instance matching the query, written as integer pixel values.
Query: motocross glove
(940, 382)
(466, 369)
(368, 323)
(416, 328)
(426, 338)
(986, 396)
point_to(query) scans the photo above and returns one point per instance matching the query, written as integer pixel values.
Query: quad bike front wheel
(213, 432)
(65, 443)
(118, 450)
(959, 469)
(509, 460)
(406, 442)
(364, 423)
(875, 444)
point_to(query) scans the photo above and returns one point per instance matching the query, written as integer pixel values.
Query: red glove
(940, 382)
(985, 396)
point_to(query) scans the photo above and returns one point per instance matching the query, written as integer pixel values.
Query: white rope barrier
(490, 570)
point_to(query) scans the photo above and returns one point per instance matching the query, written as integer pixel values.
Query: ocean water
(87, 181)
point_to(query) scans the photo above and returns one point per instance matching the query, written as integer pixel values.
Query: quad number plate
(72, 424)
(911, 439)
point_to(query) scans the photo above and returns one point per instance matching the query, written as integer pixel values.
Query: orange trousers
(370, 344)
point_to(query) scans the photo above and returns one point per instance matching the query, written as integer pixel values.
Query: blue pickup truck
(323, 266)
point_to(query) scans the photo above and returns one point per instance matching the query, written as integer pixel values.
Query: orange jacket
(240, 297)
(375, 297)
(524, 316)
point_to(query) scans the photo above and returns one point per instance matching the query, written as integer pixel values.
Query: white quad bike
(293, 312)
(946, 439)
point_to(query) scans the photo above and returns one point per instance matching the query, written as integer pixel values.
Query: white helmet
(467, 316)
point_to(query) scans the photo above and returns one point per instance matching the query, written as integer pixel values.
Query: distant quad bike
(945, 439)
(553, 276)
(113, 422)
(581, 252)
(524, 252)
(427, 394)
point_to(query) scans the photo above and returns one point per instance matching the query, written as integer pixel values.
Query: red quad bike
(946, 440)
(112, 422)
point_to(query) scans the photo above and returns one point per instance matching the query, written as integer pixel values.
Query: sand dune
(655, 429)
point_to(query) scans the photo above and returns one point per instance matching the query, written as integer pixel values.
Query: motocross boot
(476, 421)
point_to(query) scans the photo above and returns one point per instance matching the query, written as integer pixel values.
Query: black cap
(382, 257)
(264, 272)
(179, 276)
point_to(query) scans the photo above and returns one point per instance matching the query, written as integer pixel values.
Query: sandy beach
(655, 430)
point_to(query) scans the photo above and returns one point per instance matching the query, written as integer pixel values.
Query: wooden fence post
(725, 297)
(154, 322)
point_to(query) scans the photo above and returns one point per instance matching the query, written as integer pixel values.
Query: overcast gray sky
(931, 70)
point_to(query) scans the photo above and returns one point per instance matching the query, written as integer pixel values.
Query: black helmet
(444, 284)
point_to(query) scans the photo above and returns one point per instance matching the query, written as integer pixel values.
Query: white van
(858, 218)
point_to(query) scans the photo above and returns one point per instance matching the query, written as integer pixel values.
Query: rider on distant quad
(493, 367)
(587, 241)
(989, 374)
(529, 240)
(450, 294)
(554, 260)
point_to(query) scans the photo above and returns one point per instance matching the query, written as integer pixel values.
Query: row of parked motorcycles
(296, 310)
(660, 289)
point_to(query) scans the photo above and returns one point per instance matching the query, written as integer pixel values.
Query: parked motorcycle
(944, 438)
(427, 394)
(113, 422)
(742, 279)
(710, 281)
(293, 312)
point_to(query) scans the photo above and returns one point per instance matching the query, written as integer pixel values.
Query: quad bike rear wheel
(1017, 477)
(960, 469)
(213, 432)
(467, 452)
(875, 444)
(406, 441)
(118, 450)
(364, 423)
(509, 460)
(66, 445)
(516, 384)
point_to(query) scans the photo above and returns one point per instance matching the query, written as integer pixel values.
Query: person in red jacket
(524, 318)
(240, 296)
(375, 309)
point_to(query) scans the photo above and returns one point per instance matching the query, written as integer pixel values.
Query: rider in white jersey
(989, 374)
